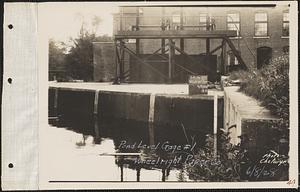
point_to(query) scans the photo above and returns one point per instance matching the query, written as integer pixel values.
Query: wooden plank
(207, 46)
(171, 60)
(236, 53)
(216, 49)
(151, 34)
(140, 61)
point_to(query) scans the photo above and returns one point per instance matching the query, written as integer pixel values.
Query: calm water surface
(85, 149)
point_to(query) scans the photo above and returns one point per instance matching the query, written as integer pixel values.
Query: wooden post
(181, 28)
(122, 171)
(151, 118)
(207, 39)
(223, 58)
(163, 178)
(97, 131)
(171, 60)
(151, 133)
(137, 41)
(151, 108)
(116, 62)
(207, 46)
(55, 101)
(122, 56)
(96, 102)
(215, 117)
(138, 174)
(163, 42)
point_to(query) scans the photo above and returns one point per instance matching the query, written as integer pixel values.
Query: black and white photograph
(167, 93)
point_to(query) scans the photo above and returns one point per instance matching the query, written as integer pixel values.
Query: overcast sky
(64, 19)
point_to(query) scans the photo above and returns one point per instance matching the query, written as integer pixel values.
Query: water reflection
(139, 151)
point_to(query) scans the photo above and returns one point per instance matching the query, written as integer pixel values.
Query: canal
(92, 149)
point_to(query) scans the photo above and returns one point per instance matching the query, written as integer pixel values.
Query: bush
(270, 85)
(229, 156)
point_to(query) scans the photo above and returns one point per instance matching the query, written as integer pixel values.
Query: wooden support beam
(137, 41)
(207, 46)
(154, 53)
(117, 63)
(236, 53)
(137, 46)
(163, 42)
(182, 44)
(215, 49)
(137, 26)
(223, 68)
(166, 60)
(141, 61)
(122, 61)
(171, 61)
(174, 34)
(163, 48)
(191, 59)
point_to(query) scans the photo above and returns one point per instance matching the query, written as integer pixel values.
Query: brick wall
(151, 20)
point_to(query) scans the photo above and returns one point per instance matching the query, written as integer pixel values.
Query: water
(85, 149)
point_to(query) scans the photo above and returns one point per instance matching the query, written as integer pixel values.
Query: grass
(270, 85)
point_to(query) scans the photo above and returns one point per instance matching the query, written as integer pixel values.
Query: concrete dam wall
(192, 112)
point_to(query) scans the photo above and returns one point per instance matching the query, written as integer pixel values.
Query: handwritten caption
(182, 154)
(268, 166)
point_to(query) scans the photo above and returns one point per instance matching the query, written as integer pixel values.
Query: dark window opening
(264, 56)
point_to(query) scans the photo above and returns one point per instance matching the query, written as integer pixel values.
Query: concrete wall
(247, 117)
(193, 112)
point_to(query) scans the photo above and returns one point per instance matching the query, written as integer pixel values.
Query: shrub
(270, 85)
(229, 156)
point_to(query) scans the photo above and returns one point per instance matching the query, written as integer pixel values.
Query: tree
(56, 60)
(79, 61)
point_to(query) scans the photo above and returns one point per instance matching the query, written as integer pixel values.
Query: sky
(64, 19)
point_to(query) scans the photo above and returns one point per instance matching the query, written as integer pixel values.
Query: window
(233, 22)
(203, 21)
(261, 24)
(285, 24)
(176, 18)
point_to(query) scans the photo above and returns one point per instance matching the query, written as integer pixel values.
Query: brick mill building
(161, 44)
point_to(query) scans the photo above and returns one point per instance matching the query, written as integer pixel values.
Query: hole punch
(9, 80)
(10, 165)
(10, 26)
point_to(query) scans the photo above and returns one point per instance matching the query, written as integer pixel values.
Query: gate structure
(121, 37)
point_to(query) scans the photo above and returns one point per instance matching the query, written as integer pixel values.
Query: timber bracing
(121, 49)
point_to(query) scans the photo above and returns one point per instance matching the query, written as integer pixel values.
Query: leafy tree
(79, 60)
(56, 60)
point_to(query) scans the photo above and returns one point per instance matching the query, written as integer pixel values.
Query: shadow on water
(150, 146)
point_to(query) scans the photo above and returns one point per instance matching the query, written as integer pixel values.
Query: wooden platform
(152, 34)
